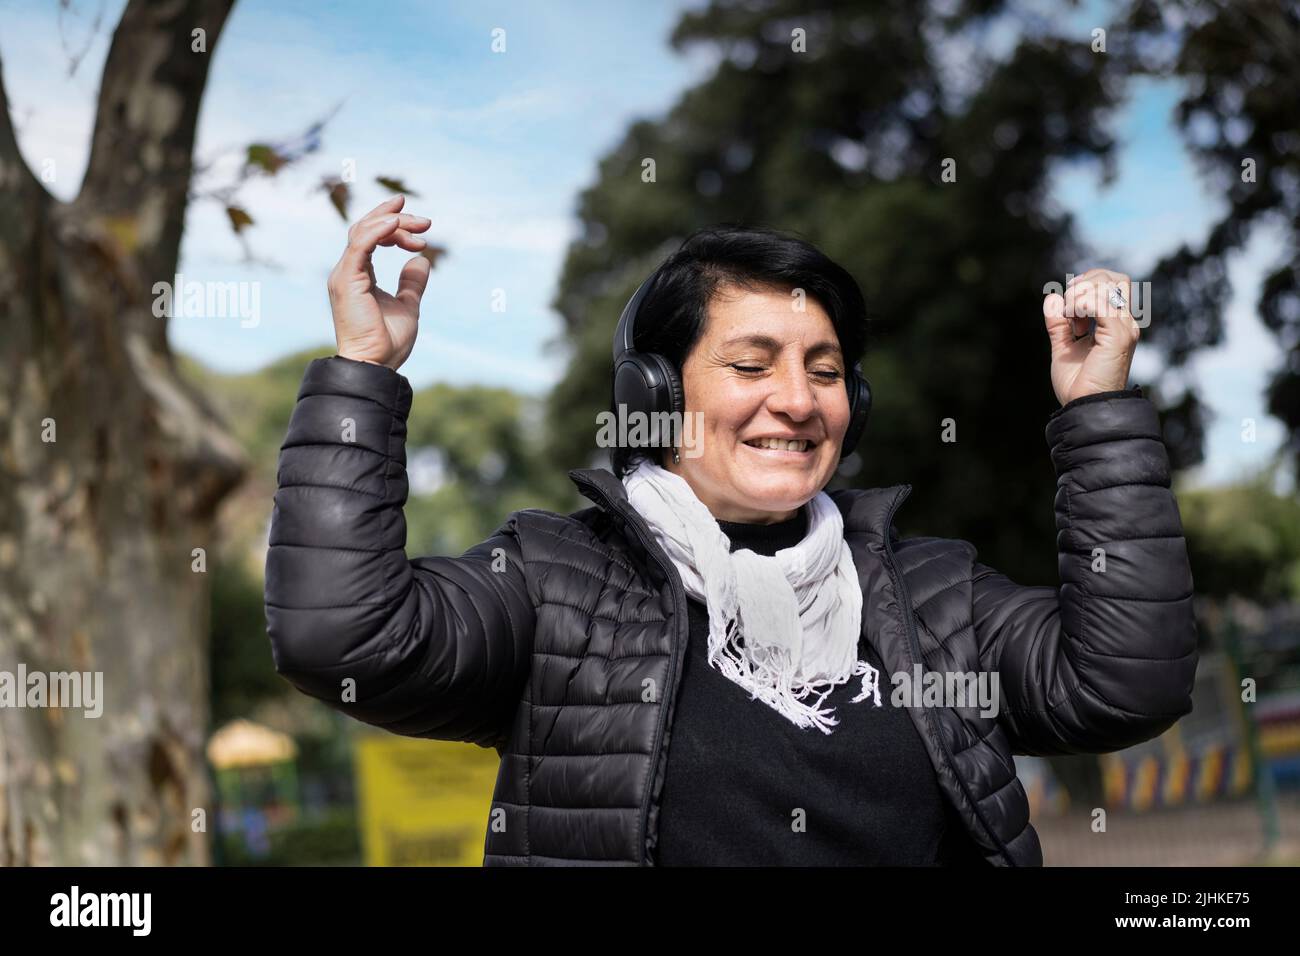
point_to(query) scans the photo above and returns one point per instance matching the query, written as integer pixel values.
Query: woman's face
(763, 369)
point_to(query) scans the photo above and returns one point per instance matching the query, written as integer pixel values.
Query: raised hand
(369, 324)
(1084, 362)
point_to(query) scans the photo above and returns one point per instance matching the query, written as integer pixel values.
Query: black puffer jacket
(559, 640)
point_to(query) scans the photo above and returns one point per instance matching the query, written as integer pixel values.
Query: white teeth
(780, 444)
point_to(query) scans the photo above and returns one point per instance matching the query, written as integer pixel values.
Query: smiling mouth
(798, 445)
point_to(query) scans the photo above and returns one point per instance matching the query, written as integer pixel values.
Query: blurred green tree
(1238, 65)
(1244, 540)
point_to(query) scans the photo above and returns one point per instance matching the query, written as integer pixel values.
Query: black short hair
(754, 258)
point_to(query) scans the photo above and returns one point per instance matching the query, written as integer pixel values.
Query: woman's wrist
(1132, 391)
(358, 358)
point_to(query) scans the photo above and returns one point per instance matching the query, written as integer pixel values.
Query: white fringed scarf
(782, 627)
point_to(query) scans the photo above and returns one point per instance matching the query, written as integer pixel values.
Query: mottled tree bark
(98, 527)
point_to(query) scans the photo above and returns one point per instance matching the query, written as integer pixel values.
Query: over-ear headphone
(648, 383)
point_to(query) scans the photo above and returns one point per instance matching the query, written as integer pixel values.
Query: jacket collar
(868, 510)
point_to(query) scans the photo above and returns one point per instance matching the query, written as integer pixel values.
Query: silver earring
(676, 459)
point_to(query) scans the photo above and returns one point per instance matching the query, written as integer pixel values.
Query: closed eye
(829, 376)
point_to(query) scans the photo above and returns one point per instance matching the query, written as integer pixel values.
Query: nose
(791, 393)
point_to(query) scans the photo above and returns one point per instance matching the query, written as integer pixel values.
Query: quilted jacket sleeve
(1108, 659)
(438, 647)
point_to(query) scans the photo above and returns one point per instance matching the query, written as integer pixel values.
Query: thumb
(1060, 331)
(412, 282)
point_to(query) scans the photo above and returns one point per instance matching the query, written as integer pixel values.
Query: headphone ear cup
(630, 386)
(669, 396)
(859, 411)
(647, 384)
(675, 395)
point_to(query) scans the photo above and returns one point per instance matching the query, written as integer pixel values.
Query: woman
(700, 668)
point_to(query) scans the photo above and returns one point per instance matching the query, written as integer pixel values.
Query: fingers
(1087, 296)
(389, 205)
(380, 230)
(402, 236)
(363, 237)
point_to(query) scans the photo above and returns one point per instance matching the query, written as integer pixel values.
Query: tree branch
(16, 178)
(141, 152)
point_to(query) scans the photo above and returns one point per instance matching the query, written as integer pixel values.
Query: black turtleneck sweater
(739, 774)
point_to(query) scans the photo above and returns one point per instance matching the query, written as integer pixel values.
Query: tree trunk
(98, 526)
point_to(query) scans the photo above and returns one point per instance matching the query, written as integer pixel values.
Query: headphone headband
(623, 335)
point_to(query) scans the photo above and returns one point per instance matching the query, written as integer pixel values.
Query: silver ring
(1117, 298)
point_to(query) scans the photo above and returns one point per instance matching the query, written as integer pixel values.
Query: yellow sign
(423, 802)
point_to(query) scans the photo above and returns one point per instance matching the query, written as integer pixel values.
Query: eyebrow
(824, 347)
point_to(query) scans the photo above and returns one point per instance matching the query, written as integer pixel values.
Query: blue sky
(499, 145)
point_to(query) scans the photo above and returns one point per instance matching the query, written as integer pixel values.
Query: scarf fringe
(763, 681)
